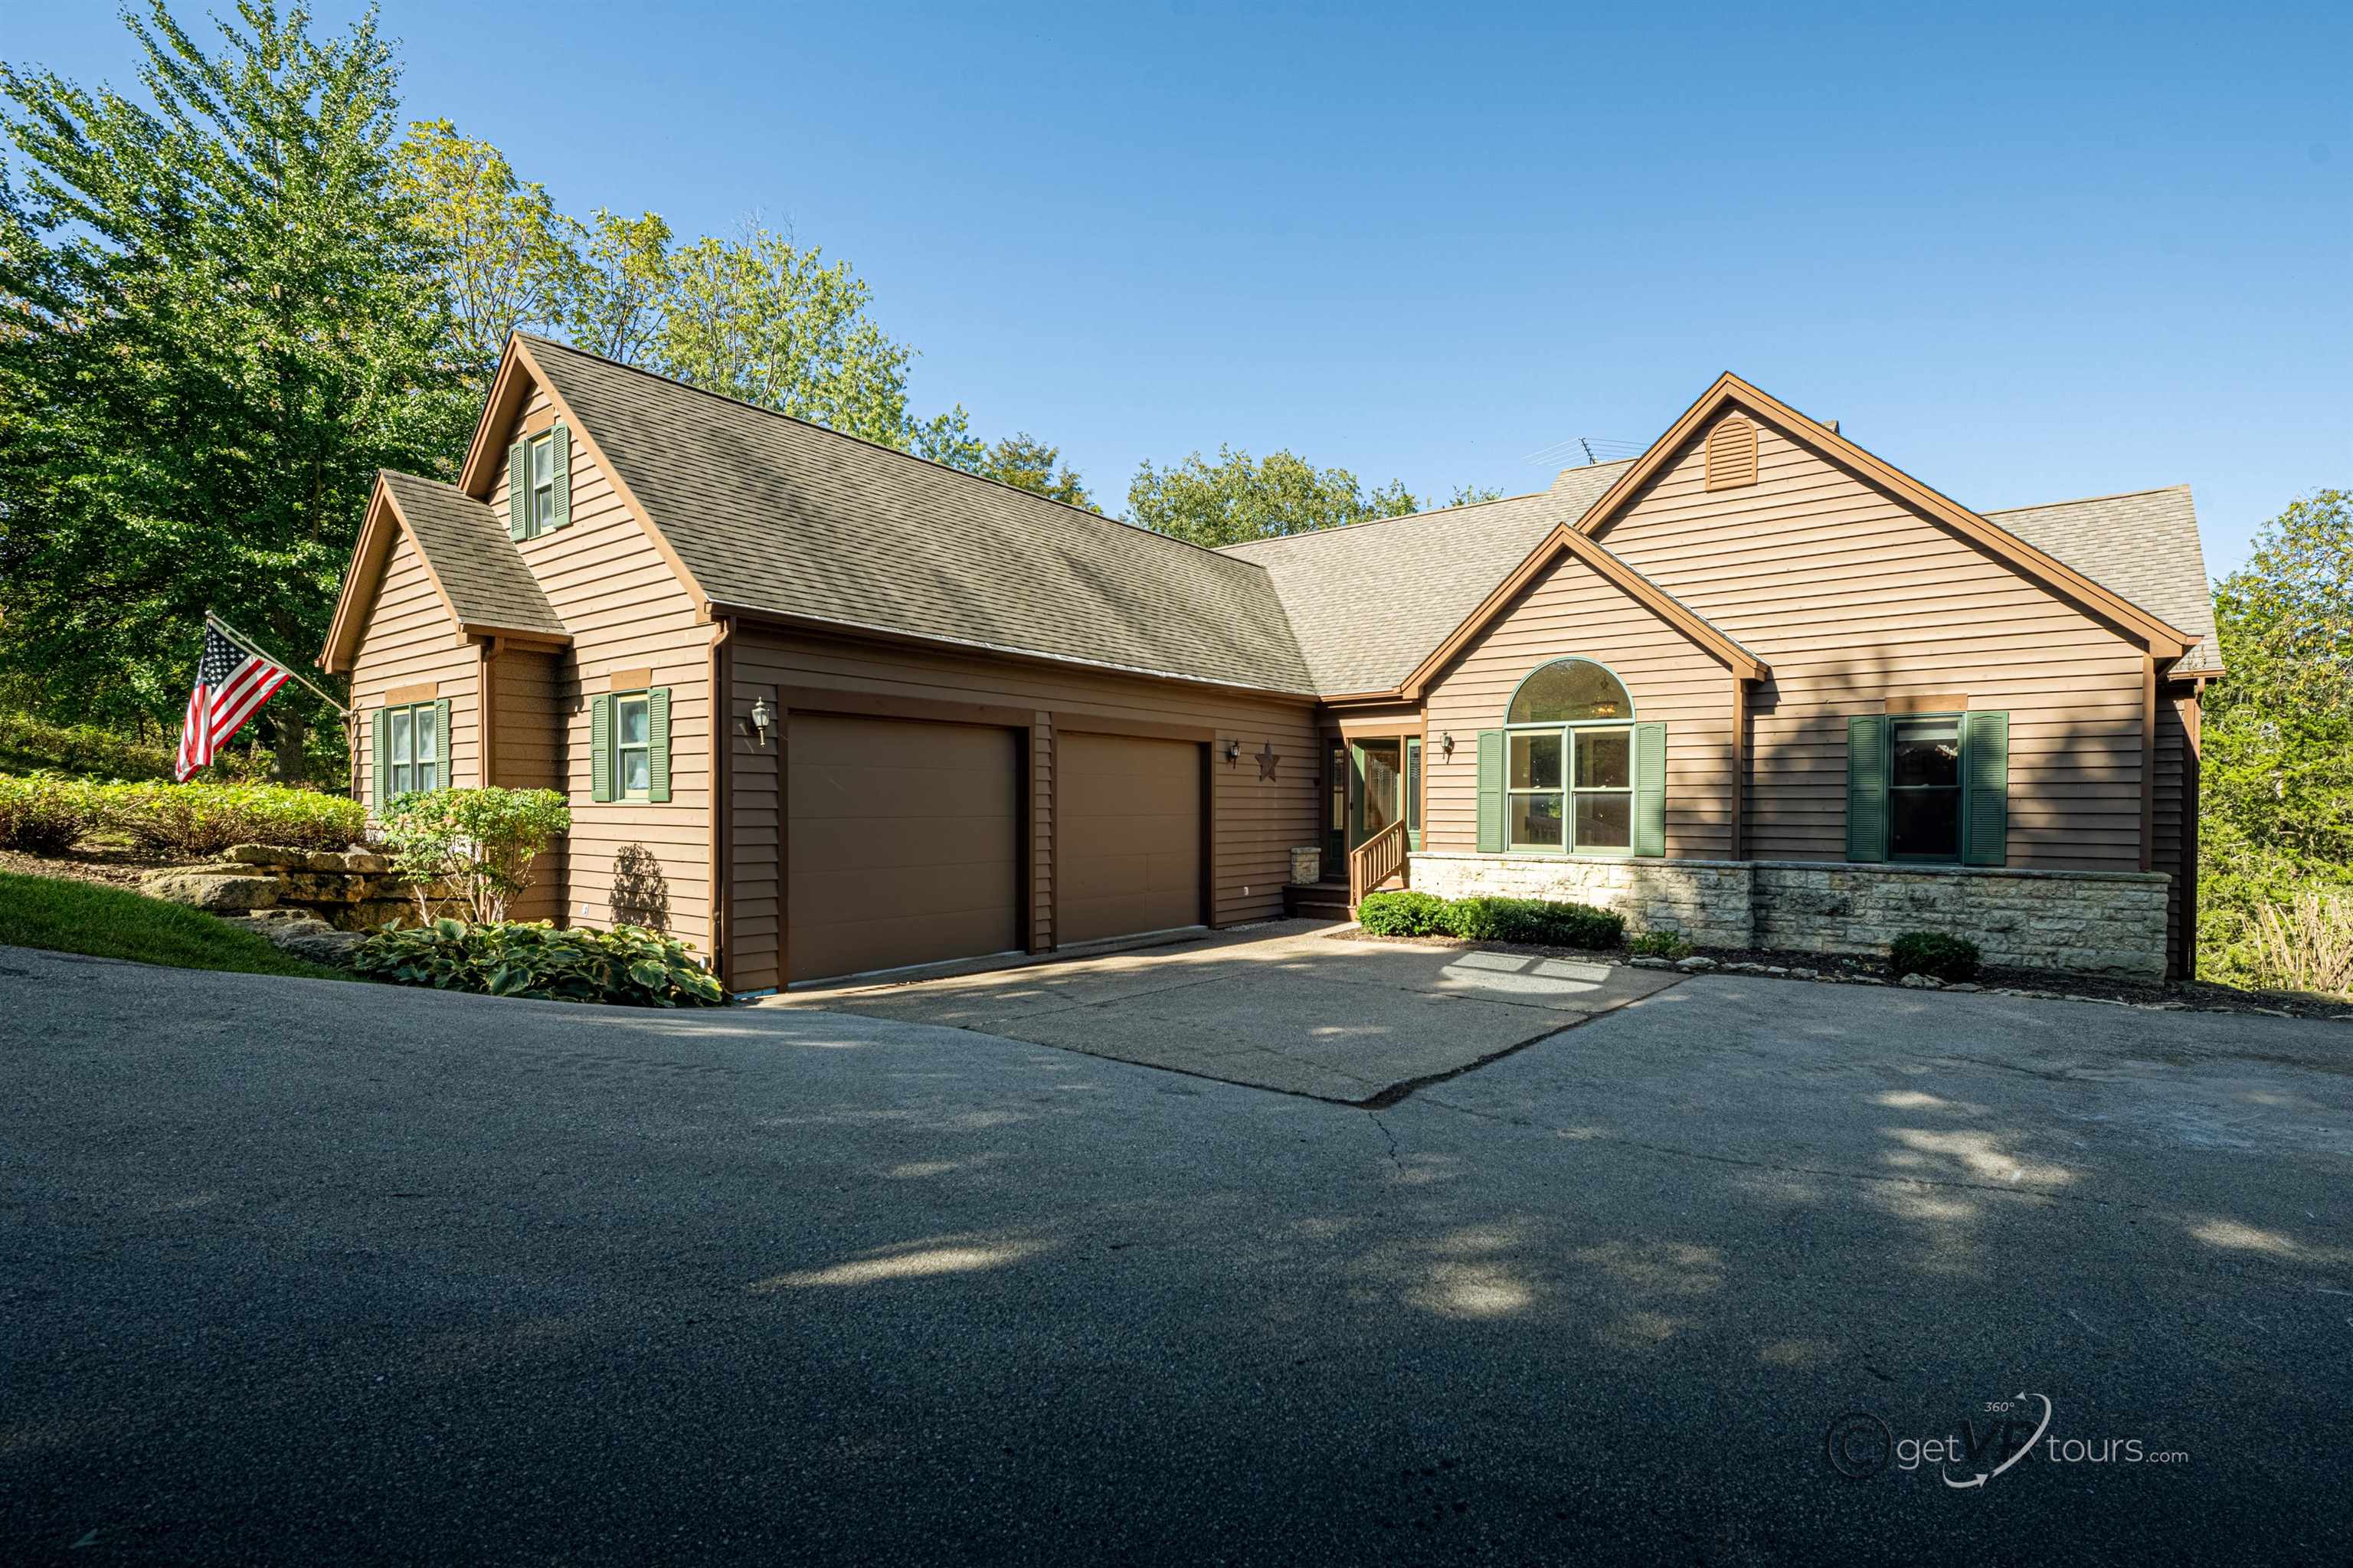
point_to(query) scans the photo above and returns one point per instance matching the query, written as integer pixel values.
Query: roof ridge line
(2081, 500)
(864, 441)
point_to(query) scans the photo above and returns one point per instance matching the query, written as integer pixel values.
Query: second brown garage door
(902, 846)
(1128, 830)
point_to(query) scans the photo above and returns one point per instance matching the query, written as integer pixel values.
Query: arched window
(1570, 764)
(1569, 691)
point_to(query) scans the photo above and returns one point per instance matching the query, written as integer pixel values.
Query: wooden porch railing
(1377, 859)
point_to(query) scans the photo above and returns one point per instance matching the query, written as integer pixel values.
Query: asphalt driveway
(303, 1272)
(1289, 1006)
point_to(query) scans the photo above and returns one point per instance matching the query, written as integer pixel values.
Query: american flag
(232, 681)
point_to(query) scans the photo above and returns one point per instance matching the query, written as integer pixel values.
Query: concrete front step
(1323, 900)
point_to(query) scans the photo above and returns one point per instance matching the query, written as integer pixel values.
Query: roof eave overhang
(786, 620)
(2162, 640)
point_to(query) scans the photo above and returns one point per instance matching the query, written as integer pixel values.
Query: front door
(1335, 813)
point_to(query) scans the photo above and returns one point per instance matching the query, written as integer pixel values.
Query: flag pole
(251, 646)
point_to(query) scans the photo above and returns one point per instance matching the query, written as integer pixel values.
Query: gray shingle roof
(2143, 545)
(774, 513)
(1371, 601)
(471, 557)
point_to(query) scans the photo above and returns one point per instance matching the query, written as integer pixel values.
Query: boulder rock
(265, 855)
(1923, 982)
(1964, 985)
(1805, 974)
(1695, 965)
(1650, 963)
(217, 892)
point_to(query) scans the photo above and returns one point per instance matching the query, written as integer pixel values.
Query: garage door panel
(902, 843)
(1128, 836)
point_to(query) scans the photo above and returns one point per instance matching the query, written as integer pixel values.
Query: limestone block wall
(2086, 922)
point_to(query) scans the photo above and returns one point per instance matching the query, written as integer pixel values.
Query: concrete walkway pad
(1285, 1006)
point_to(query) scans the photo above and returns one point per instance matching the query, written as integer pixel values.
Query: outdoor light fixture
(1446, 742)
(1233, 752)
(762, 716)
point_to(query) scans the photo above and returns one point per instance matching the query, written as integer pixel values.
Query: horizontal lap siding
(528, 734)
(409, 639)
(1259, 822)
(1853, 599)
(626, 609)
(756, 897)
(1569, 610)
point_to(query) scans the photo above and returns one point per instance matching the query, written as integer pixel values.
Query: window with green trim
(632, 746)
(413, 749)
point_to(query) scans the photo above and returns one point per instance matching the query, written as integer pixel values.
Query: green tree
(2278, 735)
(1239, 498)
(504, 256)
(763, 320)
(1472, 494)
(1019, 460)
(619, 305)
(222, 320)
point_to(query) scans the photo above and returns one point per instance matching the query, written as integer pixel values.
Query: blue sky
(2024, 256)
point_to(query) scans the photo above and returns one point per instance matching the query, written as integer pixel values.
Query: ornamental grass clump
(628, 966)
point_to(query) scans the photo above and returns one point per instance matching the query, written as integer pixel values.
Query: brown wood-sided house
(823, 708)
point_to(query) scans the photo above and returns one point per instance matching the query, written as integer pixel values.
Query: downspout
(723, 790)
(486, 729)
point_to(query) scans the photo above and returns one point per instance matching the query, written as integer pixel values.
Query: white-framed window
(539, 500)
(412, 741)
(632, 746)
(1569, 765)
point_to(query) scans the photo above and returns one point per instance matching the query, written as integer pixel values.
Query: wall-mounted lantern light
(1233, 752)
(762, 718)
(1446, 742)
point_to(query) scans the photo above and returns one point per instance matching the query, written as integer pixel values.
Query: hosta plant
(628, 965)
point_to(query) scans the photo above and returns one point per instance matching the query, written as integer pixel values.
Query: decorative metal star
(1267, 758)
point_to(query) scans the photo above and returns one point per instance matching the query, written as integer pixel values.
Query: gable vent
(1731, 454)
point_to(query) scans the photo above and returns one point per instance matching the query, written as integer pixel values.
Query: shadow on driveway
(1290, 1006)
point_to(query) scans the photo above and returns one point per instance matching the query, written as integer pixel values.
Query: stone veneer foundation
(2086, 922)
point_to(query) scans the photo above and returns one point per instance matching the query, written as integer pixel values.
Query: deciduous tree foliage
(2276, 773)
(1239, 497)
(222, 319)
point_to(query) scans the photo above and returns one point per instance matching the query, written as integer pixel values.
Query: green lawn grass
(69, 917)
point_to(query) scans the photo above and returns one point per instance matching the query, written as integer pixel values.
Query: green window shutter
(1490, 791)
(518, 488)
(559, 504)
(441, 744)
(658, 744)
(600, 747)
(382, 769)
(1651, 789)
(1866, 786)
(1984, 789)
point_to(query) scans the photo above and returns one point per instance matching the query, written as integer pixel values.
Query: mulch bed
(2195, 996)
(110, 867)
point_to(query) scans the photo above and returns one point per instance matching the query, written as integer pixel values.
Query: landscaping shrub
(481, 841)
(27, 744)
(43, 813)
(1400, 914)
(1660, 944)
(193, 820)
(1934, 954)
(1533, 920)
(628, 965)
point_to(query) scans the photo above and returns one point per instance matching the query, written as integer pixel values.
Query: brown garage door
(1129, 830)
(902, 845)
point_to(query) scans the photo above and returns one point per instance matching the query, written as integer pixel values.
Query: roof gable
(1567, 540)
(2162, 640)
(482, 583)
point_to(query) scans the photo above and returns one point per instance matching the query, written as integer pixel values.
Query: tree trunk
(288, 732)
